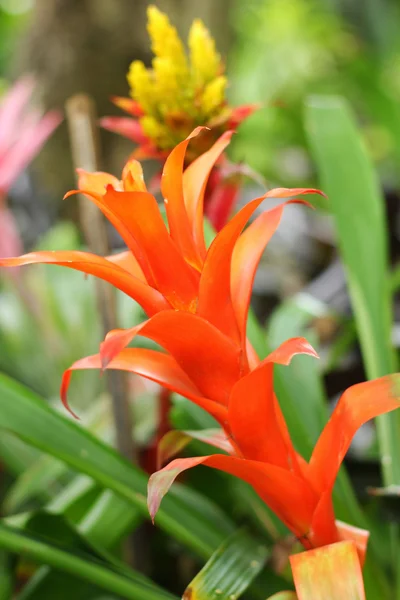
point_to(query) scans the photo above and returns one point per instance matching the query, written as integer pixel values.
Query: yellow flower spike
(184, 88)
(141, 84)
(169, 83)
(205, 61)
(165, 41)
(213, 96)
(156, 131)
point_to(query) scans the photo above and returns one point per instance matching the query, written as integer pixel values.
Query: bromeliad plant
(180, 92)
(197, 301)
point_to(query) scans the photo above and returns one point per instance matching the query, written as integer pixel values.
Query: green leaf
(186, 515)
(6, 576)
(38, 480)
(108, 520)
(80, 564)
(102, 526)
(230, 570)
(357, 207)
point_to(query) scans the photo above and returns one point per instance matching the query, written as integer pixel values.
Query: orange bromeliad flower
(169, 271)
(197, 300)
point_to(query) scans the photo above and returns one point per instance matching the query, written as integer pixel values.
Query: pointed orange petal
(172, 191)
(246, 257)
(195, 344)
(329, 573)
(287, 495)
(127, 261)
(255, 418)
(150, 299)
(175, 441)
(284, 353)
(140, 215)
(101, 202)
(252, 418)
(152, 365)
(96, 182)
(195, 180)
(357, 405)
(215, 303)
(128, 105)
(132, 177)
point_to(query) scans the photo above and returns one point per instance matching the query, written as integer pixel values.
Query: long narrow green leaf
(83, 566)
(230, 570)
(197, 522)
(103, 525)
(357, 206)
(6, 576)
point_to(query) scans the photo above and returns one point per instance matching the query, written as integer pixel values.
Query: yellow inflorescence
(180, 91)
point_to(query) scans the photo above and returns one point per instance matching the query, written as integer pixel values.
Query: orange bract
(197, 300)
(169, 268)
(330, 573)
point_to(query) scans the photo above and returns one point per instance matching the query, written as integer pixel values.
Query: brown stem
(85, 147)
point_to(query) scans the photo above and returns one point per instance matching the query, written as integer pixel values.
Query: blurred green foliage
(13, 16)
(287, 49)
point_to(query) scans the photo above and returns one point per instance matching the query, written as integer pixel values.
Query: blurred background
(278, 53)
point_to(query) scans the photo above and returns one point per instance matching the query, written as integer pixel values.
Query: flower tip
(63, 394)
(71, 193)
(306, 348)
(196, 131)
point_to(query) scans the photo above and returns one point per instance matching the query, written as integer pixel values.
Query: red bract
(130, 128)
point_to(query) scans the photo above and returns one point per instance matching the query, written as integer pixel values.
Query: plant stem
(85, 152)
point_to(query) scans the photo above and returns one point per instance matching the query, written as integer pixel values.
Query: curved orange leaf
(153, 365)
(175, 441)
(172, 191)
(246, 257)
(286, 494)
(97, 181)
(215, 303)
(357, 405)
(150, 299)
(141, 218)
(115, 219)
(208, 357)
(128, 262)
(255, 418)
(195, 180)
